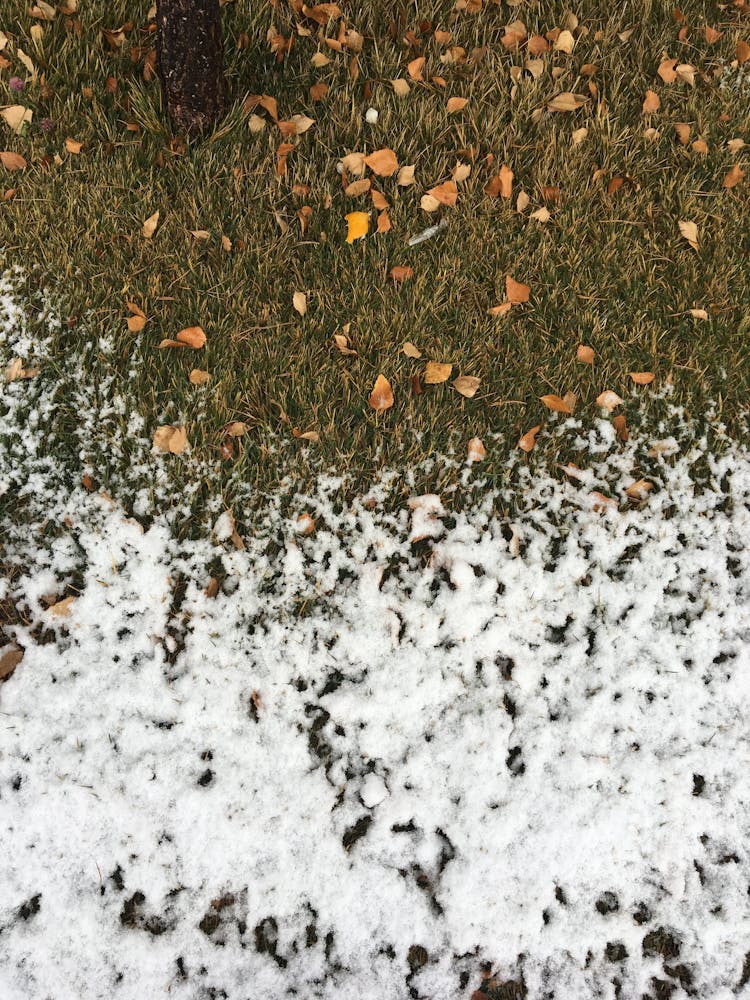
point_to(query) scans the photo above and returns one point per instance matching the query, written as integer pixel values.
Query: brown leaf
(502, 310)
(12, 161)
(527, 441)
(299, 301)
(608, 400)
(742, 51)
(410, 350)
(9, 660)
(405, 176)
(381, 397)
(476, 451)
(651, 102)
(170, 438)
(445, 194)
(235, 428)
(400, 87)
(516, 291)
(456, 104)
(192, 336)
(501, 184)
(136, 323)
(585, 354)
(62, 609)
(690, 231)
(318, 91)
(639, 490)
(642, 378)
(621, 427)
(312, 436)
(666, 70)
(400, 272)
(467, 385)
(198, 377)
(435, 373)
(566, 102)
(555, 403)
(73, 146)
(382, 162)
(733, 177)
(698, 313)
(712, 35)
(415, 68)
(683, 132)
(149, 226)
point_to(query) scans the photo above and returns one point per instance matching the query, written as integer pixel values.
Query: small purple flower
(47, 125)
(17, 84)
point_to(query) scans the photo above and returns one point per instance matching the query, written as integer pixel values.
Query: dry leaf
(516, 291)
(600, 502)
(608, 400)
(405, 176)
(742, 51)
(476, 451)
(357, 226)
(522, 202)
(700, 146)
(620, 425)
(415, 68)
(651, 103)
(461, 171)
(686, 72)
(410, 350)
(585, 354)
(170, 438)
(16, 116)
(200, 234)
(528, 440)
(642, 378)
(400, 87)
(456, 104)
(435, 373)
(712, 35)
(690, 231)
(382, 162)
(384, 222)
(428, 203)
(62, 609)
(698, 313)
(565, 42)
(9, 660)
(639, 490)
(555, 403)
(566, 102)
(149, 226)
(733, 177)
(198, 377)
(541, 214)
(136, 323)
(501, 184)
(343, 343)
(666, 70)
(302, 123)
(299, 301)
(683, 132)
(12, 161)
(305, 525)
(400, 272)
(192, 336)
(735, 145)
(502, 310)
(467, 385)
(579, 135)
(381, 397)
(73, 146)
(444, 194)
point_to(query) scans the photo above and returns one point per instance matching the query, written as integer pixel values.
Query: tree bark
(190, 63)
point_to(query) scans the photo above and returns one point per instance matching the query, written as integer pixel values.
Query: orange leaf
(357, 223)
(467, 385)
(192, 336)
(435, 373)
(477, 452)
(608, 400)
(733, 177)
(415, 68)
(651, 103)
(12, 161)
(620, 425)
(501, 184)
(683, 132)
(642, 378)
(502, 310)
(382, 162)
(456, 104)
(384, 222)
(556, 403)
(401, 272)
(446, 193)
(712, 35)
(528, 440)
(516, 291)
(136, 323)
(639, 490)
(666, 70)
(742, 51)
(585, 354)
(198, 377)
(381, 397)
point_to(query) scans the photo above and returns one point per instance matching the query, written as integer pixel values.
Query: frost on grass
(416, 752)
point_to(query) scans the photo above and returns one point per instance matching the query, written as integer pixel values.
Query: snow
(416, 744)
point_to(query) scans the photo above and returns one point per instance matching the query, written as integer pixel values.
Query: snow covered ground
(414, 749)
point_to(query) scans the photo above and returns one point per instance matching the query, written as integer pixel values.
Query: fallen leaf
(400, 87)
(382, 162)
(742, 51)
(608, 400)
(401, 272)
(522, 202)
(461, 171)
(501, 184)
(467, 385)
(435, 373)
(585, 354)
(456, 104)
(136, 323)
(683, 132)
(565, 42)
(698, 313)
(502, 310)
(566, 102)
(527, 441)
(666, 70)
(429, 203)
(343, 344)
(651, 103)
(712, 35)
(192, 336)
(198, 377)
(62, 609)
(516, 291)
(735, 145)
(311, 436)
(235, 428)
(302, 123)
(170, 438)
(149, 226)
(690, 231)
(9, 660)
(642, 378)
(299, 301)
(555, 403)
(620, 425)
(600, 502)
(476, 451)
(384, 222)
(16, 116)
(574, 471)
(733, 177)
(579, 135)
(73, 146)
(410, 350)
(700, 146)
(686, 72)
(304, 525)
(541, 214)
(200, 234)
(13, 161)
(415, 68)
(381, 397)
(445, 194)
(405, 176)
(639, 490)
(357, 226)
(226, 244)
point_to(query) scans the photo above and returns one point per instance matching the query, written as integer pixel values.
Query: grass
(611, 271)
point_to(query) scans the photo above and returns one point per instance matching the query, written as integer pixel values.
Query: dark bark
(190, 62)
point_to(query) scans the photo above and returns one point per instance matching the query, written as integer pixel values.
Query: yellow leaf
(516, 291)
(381, 397)
(382, 162)
(565, 42)
(642, 378)
(690, 231)
(198, 377)
(302, 123)
(456, 104)
(149, 226)
(400, 87)
(299, 301)
(556, 403)
(435, 373)
(467, 385)
(410, 350)
(528, 440)
(357, 226)
(585, 354)
(170, 438)
(476, 452)
(566, 102)
(73, 146)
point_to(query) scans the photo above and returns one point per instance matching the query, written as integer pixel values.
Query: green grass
(609, 271)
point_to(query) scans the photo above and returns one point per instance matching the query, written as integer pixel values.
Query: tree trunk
(190, 62)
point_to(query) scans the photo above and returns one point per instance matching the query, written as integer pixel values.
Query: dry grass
(608, 270)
